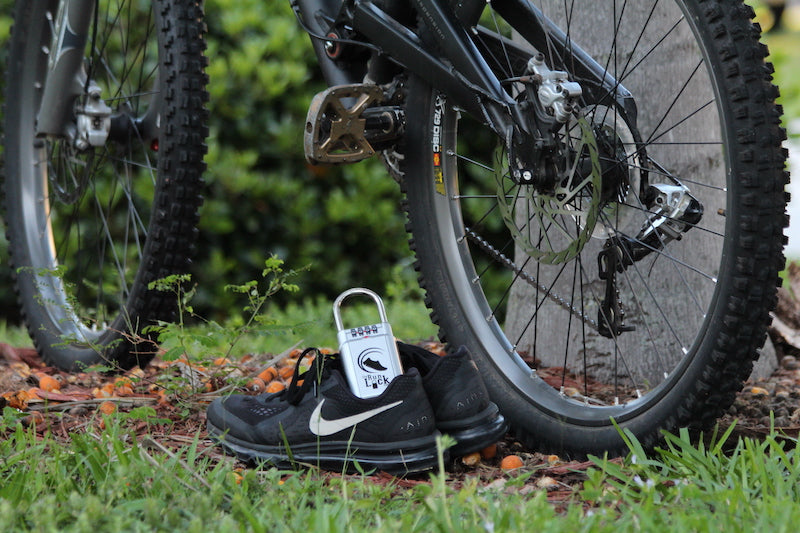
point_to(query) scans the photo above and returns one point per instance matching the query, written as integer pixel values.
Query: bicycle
(594, 191)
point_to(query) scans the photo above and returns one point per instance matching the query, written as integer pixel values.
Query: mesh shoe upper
(330, 413)
(452, 383)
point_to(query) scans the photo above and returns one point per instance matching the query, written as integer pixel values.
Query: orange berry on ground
(511, 462)
(33, 419)
(288, 362)
(163, 399)
(221, 361)
(295, 352)
(256, 385)
(471, 459)
(49, 383)
(275, 386)
(268, 374)
(19, 400)
(33, 393)
(286, 372)
(107, 407)
(490, 452)
(124, 390)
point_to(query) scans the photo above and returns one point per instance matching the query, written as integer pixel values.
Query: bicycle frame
(461, 72)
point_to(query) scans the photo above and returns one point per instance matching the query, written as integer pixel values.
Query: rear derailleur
(674, 211)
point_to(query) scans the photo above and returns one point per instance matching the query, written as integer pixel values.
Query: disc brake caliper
(553, 100)
(94, 120)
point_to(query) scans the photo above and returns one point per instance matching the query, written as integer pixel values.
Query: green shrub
(261, 196)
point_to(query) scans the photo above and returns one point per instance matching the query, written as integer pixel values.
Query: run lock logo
(369, 353)
(368, 357)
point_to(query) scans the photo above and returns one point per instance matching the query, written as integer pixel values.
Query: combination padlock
(369, 353)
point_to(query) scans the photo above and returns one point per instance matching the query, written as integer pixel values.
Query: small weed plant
(198, 345)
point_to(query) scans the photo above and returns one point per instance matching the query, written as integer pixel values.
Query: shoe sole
(475, 433)
(397, 458)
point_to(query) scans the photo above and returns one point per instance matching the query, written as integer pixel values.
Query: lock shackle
(337, 304)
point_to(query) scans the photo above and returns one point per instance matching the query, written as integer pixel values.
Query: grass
(14, 335)
(112, 481)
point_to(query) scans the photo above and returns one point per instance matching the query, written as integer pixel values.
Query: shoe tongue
(415, 356)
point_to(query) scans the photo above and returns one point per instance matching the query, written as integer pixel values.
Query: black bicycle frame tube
(465, 77)
(333, 72)
(65, 68)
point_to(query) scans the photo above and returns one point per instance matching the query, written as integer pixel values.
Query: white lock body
(369, 353)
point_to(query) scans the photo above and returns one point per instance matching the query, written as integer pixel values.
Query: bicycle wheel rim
(463, 232)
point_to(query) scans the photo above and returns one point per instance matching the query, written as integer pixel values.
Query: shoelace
(317, 372)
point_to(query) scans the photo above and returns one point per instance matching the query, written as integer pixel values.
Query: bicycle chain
(508, 263)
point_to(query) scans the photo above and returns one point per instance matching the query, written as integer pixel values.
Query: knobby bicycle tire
(90, 226)
(511, 271)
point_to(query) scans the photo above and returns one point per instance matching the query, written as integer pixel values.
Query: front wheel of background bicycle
(522, 290)
(89, 227)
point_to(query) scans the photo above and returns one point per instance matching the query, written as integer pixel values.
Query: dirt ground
(174, 396)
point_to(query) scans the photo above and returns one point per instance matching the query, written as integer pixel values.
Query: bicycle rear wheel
(105, 200)
(636, 287)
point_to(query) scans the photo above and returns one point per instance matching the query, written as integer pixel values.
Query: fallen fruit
(268, 374)
(471, 459)
(490, 452)
(511, 462)
(107, 407)
(123, 381)
(256, 385)
(123, 390)
(547, 483)
(286, 372)
(275, 386)
(49, 383)
(33, 419)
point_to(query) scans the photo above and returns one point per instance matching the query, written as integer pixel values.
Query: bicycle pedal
(336, 125)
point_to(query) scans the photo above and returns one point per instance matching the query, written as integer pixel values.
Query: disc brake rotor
(621, 172)
(553, 228)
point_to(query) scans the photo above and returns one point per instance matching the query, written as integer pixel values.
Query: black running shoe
(321, 422)
(459, 398)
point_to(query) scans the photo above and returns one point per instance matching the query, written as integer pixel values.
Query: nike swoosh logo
(323, 427)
